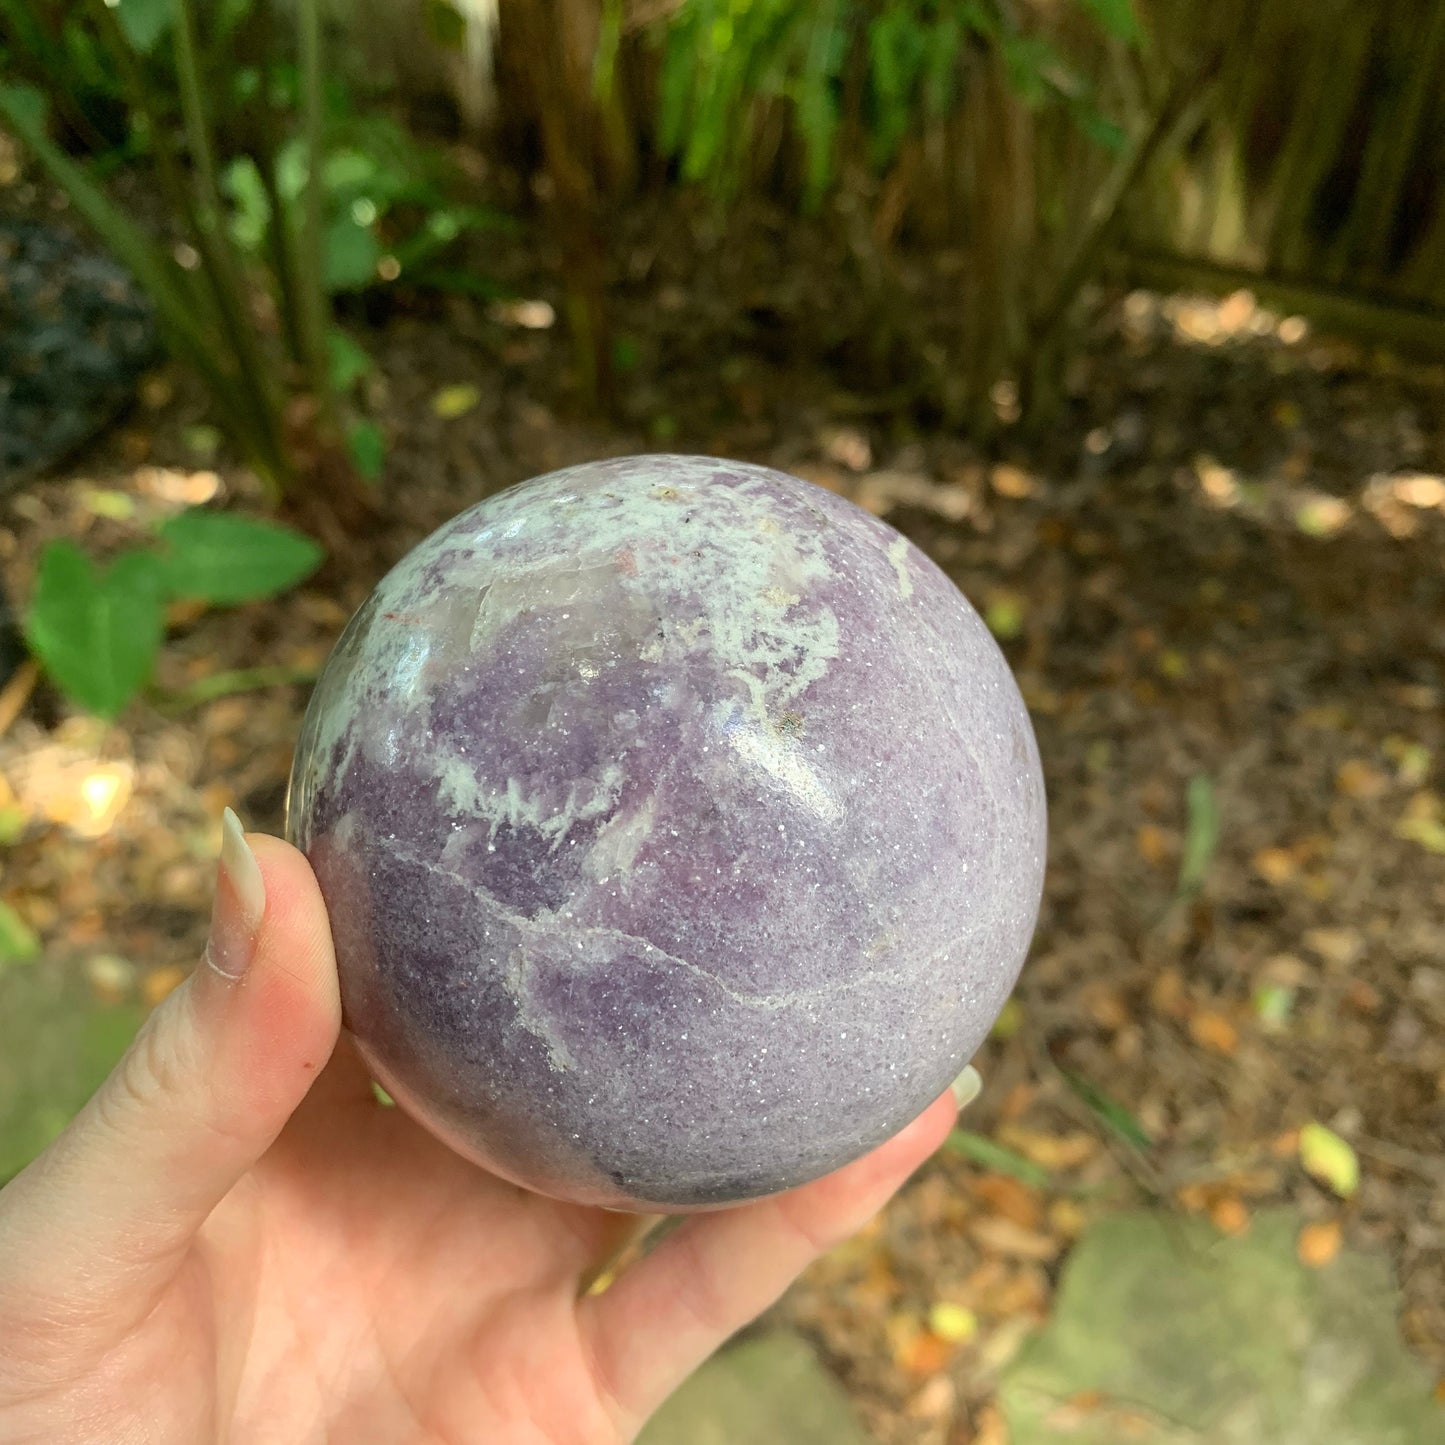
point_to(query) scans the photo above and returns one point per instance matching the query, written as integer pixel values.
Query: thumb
(107, 1212)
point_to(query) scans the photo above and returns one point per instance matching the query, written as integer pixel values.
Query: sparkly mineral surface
(681, 827)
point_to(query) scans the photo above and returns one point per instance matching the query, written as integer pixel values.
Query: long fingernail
(966, 1087)
(240, 903)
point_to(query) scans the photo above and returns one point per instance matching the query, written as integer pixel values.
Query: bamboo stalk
(311, 258)
(1393, 139)
(280, 236)
(1108, 215)
(177, 191)
(1338, 56)
(230, 288)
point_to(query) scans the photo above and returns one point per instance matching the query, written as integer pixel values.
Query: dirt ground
(1223, 562)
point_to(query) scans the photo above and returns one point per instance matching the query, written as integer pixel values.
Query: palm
(224, 1247)
(366, 1278)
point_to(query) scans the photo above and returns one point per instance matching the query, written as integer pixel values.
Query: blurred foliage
(725, 61)
(232, 114)
(1047, 142)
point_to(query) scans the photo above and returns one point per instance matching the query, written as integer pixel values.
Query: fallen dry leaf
(1276, 865)
(1010, 1199)
(1338, 947)
(1228, 1215)
(1005, 1237)
(880, 492)
(1050, 1151)
(1024, 1292)
(935, 1401)
(925, 1354)
(1319, 1243)
(848, 447)
(1018, 1101)
(1212, 1030)
(1193, 1198)
(1155, 845)
(1359, 779)
(1166, 993)
(1067, 1217)
(1107, 1006)
(990, 1427)
(1011, 482)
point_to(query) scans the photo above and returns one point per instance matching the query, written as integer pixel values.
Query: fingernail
(240, 903)
(966, 1087)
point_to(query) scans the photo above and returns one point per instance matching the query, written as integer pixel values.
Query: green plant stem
(228, 683)
(281, 238)
(177, 191)
(310, 268)
(229, 285)
(1391, 148)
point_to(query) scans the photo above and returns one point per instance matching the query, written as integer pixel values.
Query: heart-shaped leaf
(222, 558)
(96, 632)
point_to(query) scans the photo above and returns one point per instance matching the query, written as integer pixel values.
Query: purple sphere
(681, 827)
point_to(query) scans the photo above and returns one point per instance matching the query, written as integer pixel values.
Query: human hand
(232, 1243)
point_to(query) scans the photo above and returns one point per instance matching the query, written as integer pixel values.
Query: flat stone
(1166, 1333)
(770, 1390)
(57, 1044)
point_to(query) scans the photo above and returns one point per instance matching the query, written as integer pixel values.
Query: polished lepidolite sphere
(681, 827)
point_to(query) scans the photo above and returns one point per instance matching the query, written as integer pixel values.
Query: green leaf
(1273, 1004)
(626, 353)
(367, 446)
(144, 21)
(241, 181)
(987, 1154)
(1028, 59)
(1108, 1111)
(18, 942)
(1201, 835)
(13, 822)
(1330, 1159)
(1116, 16)
(1100, 129)
(346, 362)
(222, 558)
(96, 633)
(351, 254)
(1005, 615)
